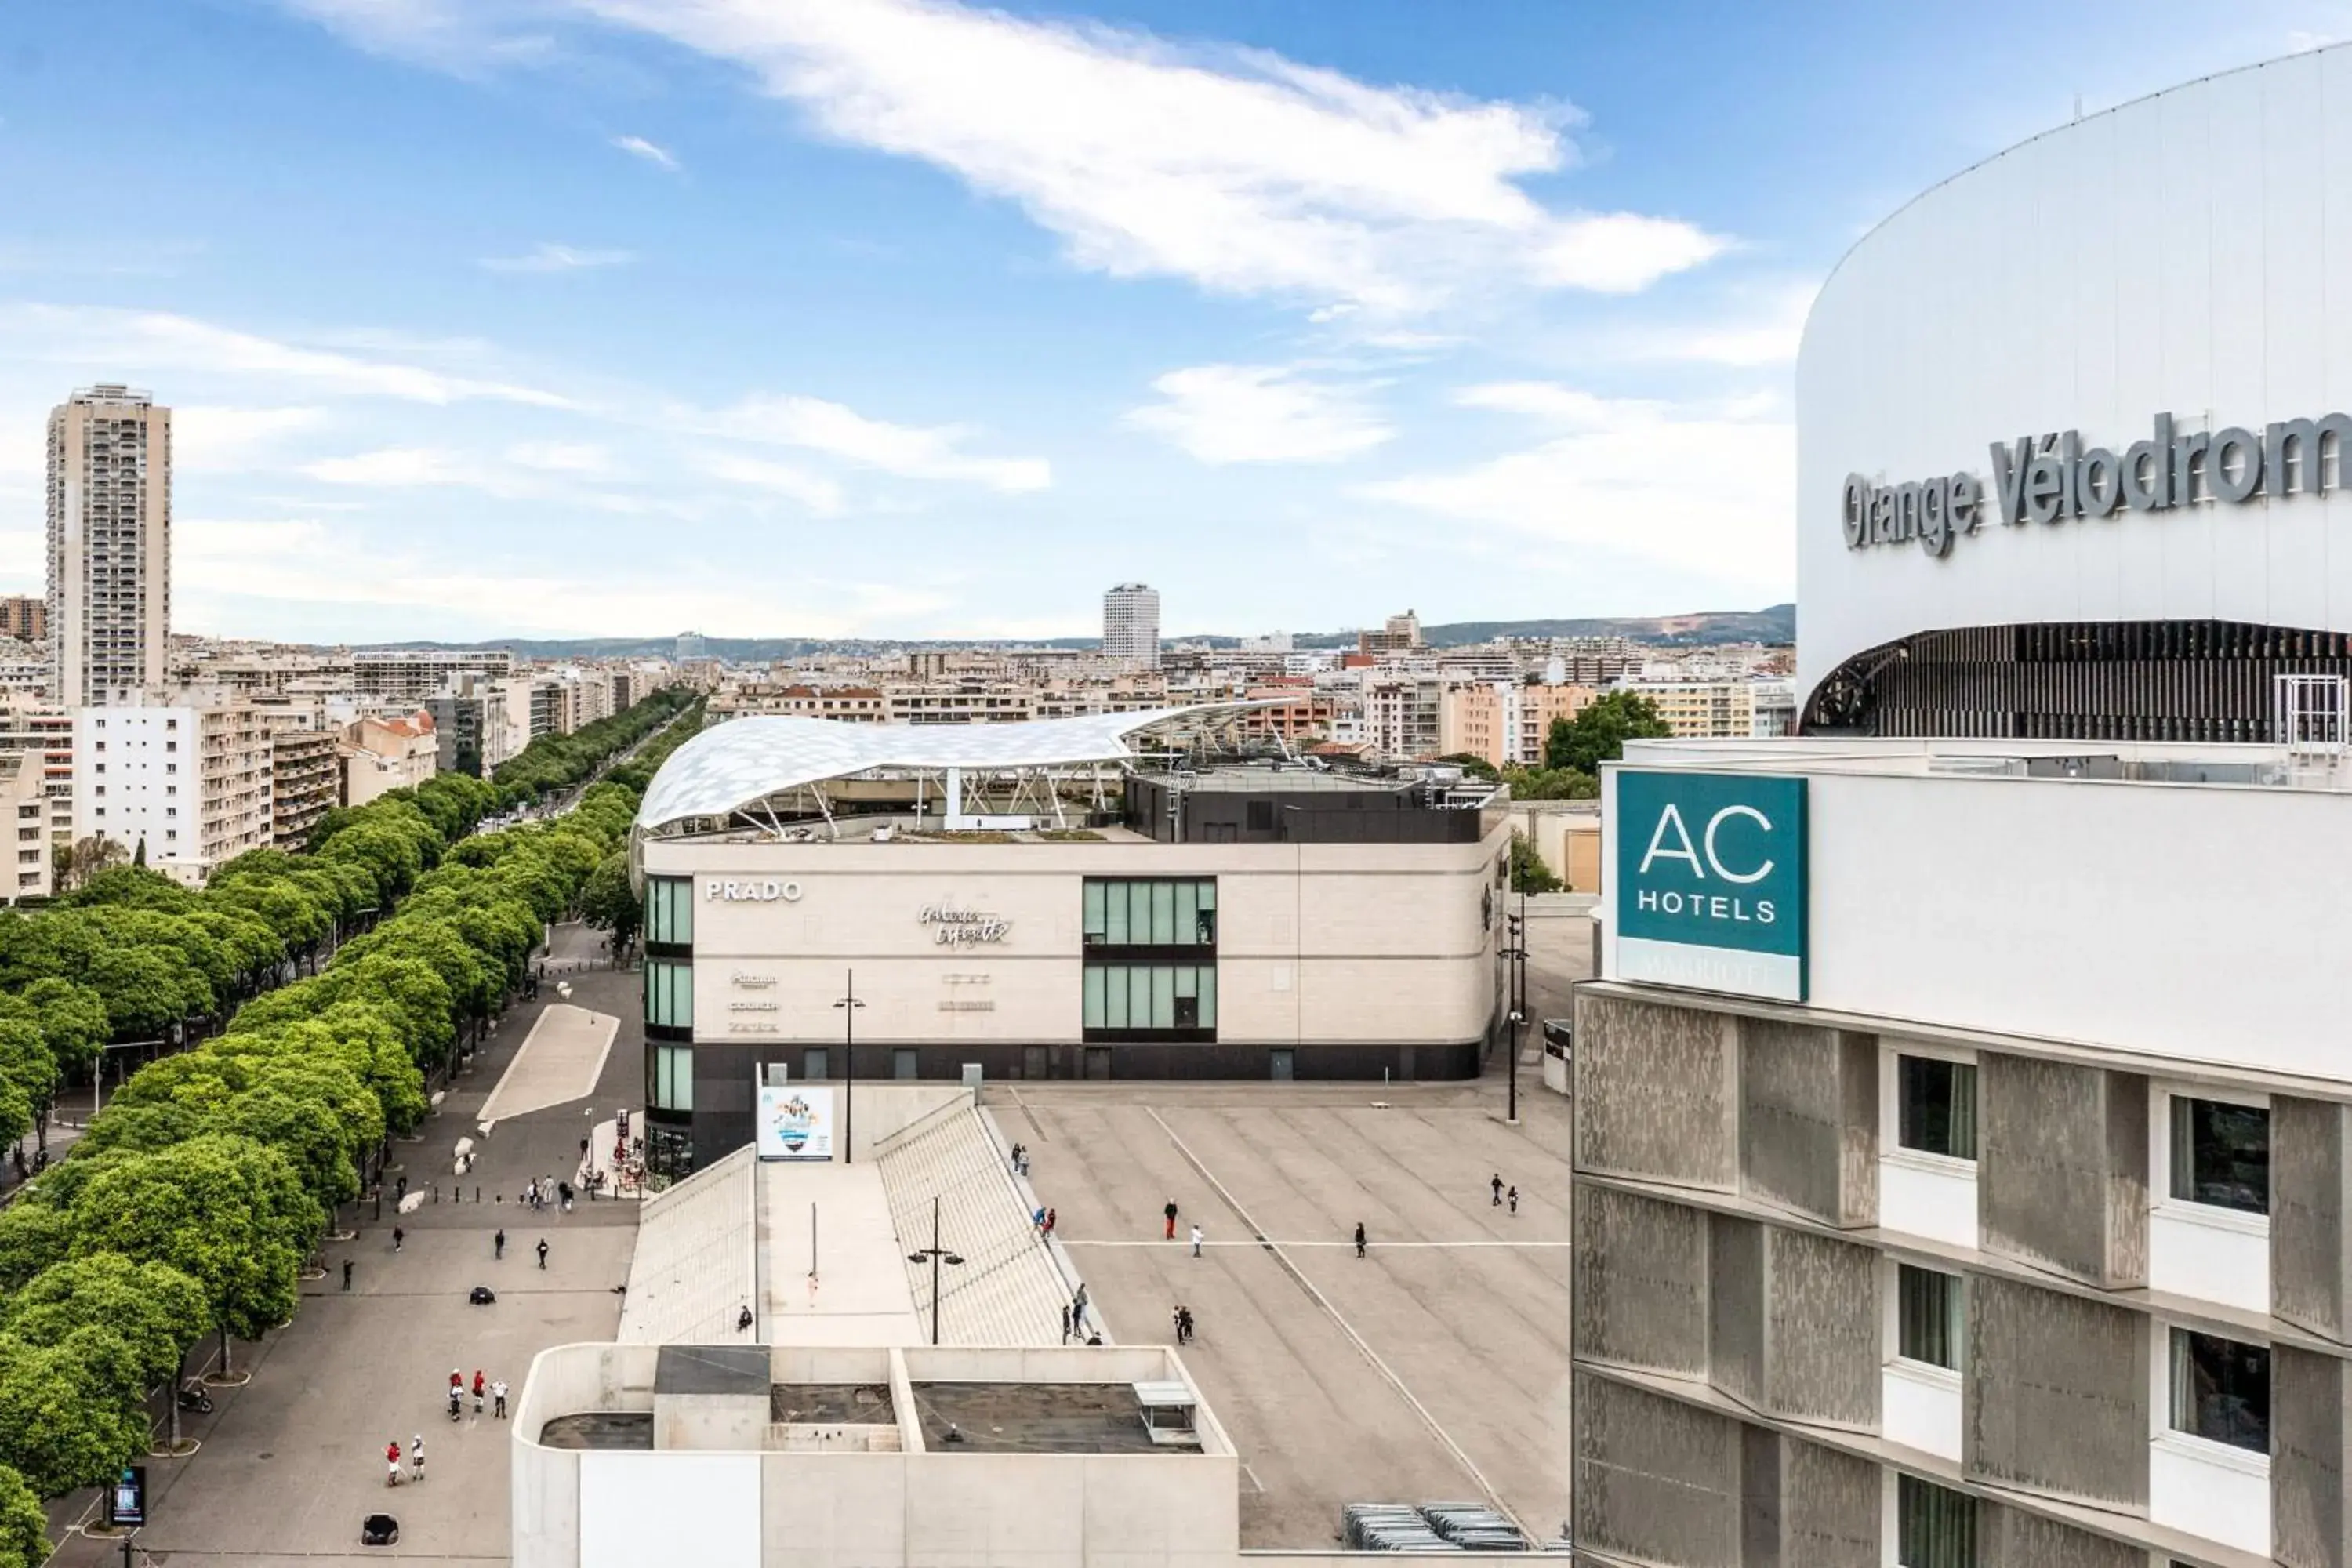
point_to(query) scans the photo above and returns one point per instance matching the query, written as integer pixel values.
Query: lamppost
(849, 1004)
(1516, 955)
(936, 1254)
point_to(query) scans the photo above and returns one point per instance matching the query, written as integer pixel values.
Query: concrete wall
(2056, 1394)
(2011, 1538)
(1656, 1481)
(1809, 1121)
(2311, 1215)
(2061, 1167)
(2311, 1475)
(1657, 1093)
(1792, 1323)
(1807, 1506)
(1641, 1282)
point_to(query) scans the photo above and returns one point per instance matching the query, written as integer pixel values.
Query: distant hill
(1774, 623)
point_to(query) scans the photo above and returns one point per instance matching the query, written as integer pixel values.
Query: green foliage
(24, 1529)
(1599, 731)
(1528, 872)
(609, 903)
(1471, 762)
(555, 762)
(158, 1311)
(64, 1423)
(1552, 783)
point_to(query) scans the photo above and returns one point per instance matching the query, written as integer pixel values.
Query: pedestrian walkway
(1007, 1291)
(559, 1061)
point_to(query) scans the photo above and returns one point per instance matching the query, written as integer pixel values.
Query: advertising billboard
(795, 1121)
(1708, 889)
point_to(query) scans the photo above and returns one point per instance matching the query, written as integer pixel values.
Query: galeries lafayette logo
(953, 926)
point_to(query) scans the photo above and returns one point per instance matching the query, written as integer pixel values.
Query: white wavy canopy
(733, 765)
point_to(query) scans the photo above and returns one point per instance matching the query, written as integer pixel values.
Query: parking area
(1434, 1368)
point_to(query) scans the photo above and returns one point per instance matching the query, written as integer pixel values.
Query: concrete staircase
(691, 1275)
(1007, 1292)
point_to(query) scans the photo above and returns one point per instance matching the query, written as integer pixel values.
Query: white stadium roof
(734, 765)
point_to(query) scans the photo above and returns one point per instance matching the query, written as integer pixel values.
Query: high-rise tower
(1131, 623)
(109, 497)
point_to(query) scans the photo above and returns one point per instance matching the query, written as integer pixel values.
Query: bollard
(478, 1194)
(437, 1192)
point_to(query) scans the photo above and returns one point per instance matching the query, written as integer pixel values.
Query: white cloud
(638, 147)
(1259, 413)
(159, 342)
(1703, 489)
(216, 439)
(584, 459)
(1239, 170)
(1769, 334)
(912, 451)
(819, 494)
(549, 258)
(392, 468)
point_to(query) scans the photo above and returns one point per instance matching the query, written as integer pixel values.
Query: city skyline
(472, 312)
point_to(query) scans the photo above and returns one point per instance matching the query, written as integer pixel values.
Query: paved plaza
(1434, 1368)
(293, 1460)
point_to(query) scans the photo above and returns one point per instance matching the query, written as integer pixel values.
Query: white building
(188, 776)
(381, 755)
(1132, 624)
(109, 542)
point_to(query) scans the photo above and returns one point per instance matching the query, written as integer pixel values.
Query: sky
(911, 318)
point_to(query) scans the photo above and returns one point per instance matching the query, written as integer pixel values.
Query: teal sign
(1708, 888)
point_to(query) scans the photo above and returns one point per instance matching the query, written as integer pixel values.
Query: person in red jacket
(391, 1459)
(480, 1384)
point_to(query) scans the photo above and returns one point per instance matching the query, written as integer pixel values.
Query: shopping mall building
(1964, 1113)
(1120, 895)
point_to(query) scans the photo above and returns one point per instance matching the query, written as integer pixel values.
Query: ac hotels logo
(1709, 880)
(1671, 840)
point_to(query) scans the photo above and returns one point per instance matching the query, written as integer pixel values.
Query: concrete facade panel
(2056, 1394)
(2311, 1478)
(2311, 1209)
(1641, 1282)
(2062, 1168)
(1821, 1351)
(1809, 1120)
(1656, 1480)
(1738, 1331)
(1656, 1095)
(2011, 1538)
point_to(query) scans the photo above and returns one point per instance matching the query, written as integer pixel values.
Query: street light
(849, 1004)
(1516, 955)
(935, 1255)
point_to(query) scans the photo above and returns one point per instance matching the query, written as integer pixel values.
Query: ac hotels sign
(1708, 884)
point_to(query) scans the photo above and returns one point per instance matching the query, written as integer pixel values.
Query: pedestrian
(391, 1463)
(1169, 1212)
(416, 1457)
(543, 1252)
(1496, 1186)
(743, 1319)
(1359, 1238)
(498, 1398)
(1078, 1309)
(1023, 1168)
(398, 1235)
(347, 1276)
(498, 1243)
(1050, 1217)
(583, 1150)
(1196, 1240)
(456, 1380)
(400, 1189)
(1176, 1317)
(456, 1401)
(565, 1188)
(1183, 1325)
(531, 1195)
(1513, 1196)
(481, 1386)
(1038, 1219)
(1065, 1323)
(1015, 1160)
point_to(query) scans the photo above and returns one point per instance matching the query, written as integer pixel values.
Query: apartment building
(381, 755)
(1401, 634)
(188, 775)
(414, 674)
(1701, 710)
(964, 702)
(24, 618)
(44, 732)
(848, 704)
(25, 807)
(306, 781)
(1405, 719)
(1505, 722)
(109, 542)
(1298, 714)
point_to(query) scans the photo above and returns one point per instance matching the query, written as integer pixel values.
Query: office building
(1050, 900)
(24, 618)
(1132, 624)
(109, 542)
(187, 775)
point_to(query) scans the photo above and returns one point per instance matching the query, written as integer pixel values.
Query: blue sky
(902, 317)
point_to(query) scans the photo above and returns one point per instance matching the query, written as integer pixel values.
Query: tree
(157, 1311)
(1471, 762)
(228, 1212)
(63, 1422)
(1599, 731)
(77, 862)
(609, 903)
(1528, 872)
(23, 1529)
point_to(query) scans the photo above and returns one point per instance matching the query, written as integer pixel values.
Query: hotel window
(1928, 1315)
(2222, 1390)
(669, 1078)
(1935, 1527)
(1150, 1001)
(669, 909)
(2221, 1154)
(1149, 912)
(669, 993)
(1936, 1107)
